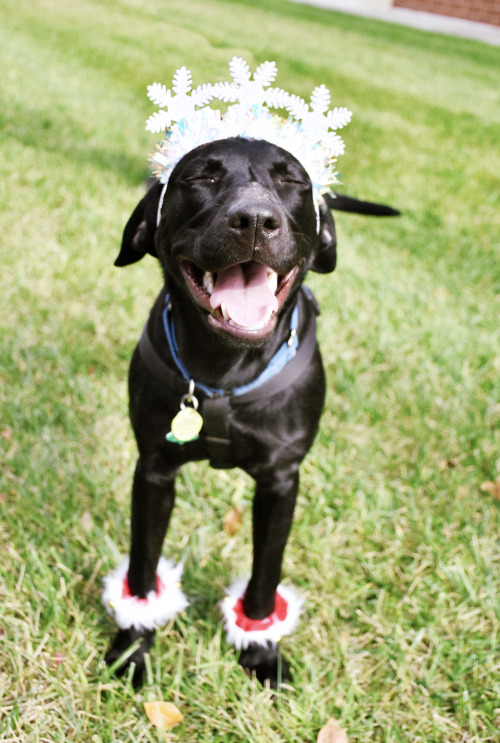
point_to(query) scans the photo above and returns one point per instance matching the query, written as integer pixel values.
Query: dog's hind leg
(145, 593)
(264, 613)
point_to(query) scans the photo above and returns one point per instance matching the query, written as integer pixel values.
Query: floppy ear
(139, 233)
(342, 203)
(325, 257)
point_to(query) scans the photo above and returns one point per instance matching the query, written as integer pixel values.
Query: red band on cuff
(278, 614)
(127, 595)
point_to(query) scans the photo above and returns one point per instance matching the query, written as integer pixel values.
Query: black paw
(122, 642)
(266, 663)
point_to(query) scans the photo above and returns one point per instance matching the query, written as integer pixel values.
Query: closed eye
(204, 171)
(292, 181)
(202, 179)
(284, 175)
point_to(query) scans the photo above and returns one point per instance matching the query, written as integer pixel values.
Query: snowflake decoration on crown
(309, 132)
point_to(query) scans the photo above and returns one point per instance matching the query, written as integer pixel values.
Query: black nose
(254, 220)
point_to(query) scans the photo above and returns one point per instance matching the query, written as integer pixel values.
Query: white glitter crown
(309, 132)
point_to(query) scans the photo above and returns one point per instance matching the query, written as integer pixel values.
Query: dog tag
(187, 424)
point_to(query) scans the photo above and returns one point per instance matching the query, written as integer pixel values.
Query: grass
(395, 544)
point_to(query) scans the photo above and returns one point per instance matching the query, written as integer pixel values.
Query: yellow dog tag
(187, 424)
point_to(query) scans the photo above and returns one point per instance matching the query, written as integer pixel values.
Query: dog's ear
(342, 203)
(139, 233)
(325, 257)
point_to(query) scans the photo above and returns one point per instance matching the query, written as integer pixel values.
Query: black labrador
(235, 235)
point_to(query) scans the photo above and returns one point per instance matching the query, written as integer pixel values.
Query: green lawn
(395, 543)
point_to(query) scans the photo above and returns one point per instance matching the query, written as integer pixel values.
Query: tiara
(309, 132)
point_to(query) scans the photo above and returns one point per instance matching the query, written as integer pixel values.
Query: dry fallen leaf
(491, 487)
(163, 714)
(332, 733)
(232, 522)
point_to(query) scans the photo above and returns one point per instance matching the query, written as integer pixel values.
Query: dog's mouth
(242, 299)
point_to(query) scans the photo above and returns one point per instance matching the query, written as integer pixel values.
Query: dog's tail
(342, 203)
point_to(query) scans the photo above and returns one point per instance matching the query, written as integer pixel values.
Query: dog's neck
(209, 358)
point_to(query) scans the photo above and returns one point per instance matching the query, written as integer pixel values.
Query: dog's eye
(290, 181)
(201, 179)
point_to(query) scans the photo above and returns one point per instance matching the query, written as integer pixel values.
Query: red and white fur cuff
(241, 630)
(156, 609)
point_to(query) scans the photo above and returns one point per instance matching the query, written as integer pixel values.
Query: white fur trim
(153, 611)
(240, 637)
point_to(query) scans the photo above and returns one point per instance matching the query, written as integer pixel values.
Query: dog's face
(237, 233)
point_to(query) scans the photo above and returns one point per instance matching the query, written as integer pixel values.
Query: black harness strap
(158, 367)
(217, 437)
(215, 410)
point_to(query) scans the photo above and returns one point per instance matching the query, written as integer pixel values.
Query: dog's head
(237, 231)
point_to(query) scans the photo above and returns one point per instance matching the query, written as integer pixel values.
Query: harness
(285, 368)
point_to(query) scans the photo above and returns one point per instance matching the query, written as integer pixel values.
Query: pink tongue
(246, 294)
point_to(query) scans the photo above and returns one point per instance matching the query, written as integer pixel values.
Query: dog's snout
(254, 220)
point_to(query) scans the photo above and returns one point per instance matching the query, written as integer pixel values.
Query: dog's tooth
(272, 280)
(208, 281)
(225, 314)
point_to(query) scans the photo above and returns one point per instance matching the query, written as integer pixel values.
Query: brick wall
(484, 11)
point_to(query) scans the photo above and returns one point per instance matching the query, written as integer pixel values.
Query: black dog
(236, 234)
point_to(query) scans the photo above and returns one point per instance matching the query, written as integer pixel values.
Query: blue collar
(281, 358)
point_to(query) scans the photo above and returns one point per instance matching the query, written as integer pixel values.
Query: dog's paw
(122, 642)
(266, 663)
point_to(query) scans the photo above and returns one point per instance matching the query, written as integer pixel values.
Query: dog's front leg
(266, 614)
(273, 508)
(153, 496)
(144, 593)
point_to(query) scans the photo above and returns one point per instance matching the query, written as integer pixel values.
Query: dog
(235, 235)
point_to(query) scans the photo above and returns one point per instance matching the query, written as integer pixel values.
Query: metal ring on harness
(189, 398)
